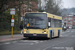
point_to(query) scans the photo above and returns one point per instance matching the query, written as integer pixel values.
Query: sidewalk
(5, 38)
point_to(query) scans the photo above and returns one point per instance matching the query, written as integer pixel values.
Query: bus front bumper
(35, 35)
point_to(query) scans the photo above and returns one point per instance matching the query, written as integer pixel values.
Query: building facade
(69, 21)
(29, 7)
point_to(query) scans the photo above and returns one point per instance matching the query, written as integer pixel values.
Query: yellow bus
(42, 25)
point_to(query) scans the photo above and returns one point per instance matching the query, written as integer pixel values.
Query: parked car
(70, 27)
(67, 27)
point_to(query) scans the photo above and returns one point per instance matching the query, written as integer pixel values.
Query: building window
(70, 18)
(70, 25)
(70, 22)
(66, 18)
(74, 20)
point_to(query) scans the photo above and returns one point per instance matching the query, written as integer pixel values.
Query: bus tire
(58, 35)
(29, 37)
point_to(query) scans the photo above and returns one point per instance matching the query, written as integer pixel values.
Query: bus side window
(49, 22)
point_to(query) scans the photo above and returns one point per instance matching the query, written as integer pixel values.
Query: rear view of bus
(35, 25)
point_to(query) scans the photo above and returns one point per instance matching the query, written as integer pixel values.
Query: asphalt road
(65, 42)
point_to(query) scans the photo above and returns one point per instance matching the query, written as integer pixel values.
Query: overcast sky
(68, 3)
(65, 3)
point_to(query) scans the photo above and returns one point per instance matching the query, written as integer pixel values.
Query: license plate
(34, 34)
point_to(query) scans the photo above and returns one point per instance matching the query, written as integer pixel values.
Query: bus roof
(49, 15)
(54, 16)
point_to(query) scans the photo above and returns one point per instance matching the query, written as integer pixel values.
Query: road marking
(24, 40)
(24, 43)
(7, 43)
(36, 42)
(28, 41)
(31, 43)
(41, 41)
(63, 32)
(55, 44)
(65, 35)
(72, 36)
(71, 31)
(61, 35)
(14, 41)
(67, 31)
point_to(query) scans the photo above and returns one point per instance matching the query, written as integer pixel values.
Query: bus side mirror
(49, 24)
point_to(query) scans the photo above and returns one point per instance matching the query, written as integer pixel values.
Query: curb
(11, 40)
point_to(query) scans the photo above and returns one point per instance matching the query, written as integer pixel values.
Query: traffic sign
(12, 20)
(12, 24)
(12, 11)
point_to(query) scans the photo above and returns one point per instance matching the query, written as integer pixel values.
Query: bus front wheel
(29, 37)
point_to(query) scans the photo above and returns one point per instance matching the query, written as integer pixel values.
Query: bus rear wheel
(51, 36)
(58, 35)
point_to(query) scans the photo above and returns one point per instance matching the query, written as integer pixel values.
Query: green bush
(5, 28)
(5, 22)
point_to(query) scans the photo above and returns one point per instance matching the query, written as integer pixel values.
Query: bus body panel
(55, 30)
(35, 33)
(39, 32)
(54, 16)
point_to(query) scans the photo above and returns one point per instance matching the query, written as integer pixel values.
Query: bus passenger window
(49, 22)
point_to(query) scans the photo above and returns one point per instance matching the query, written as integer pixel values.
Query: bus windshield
(35, 21)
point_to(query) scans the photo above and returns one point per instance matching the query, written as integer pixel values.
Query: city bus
(42, 24)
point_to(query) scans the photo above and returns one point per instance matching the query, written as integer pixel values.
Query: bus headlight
(24, 31)
(44, 32)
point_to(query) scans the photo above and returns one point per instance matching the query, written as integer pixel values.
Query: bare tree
(53, 6)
